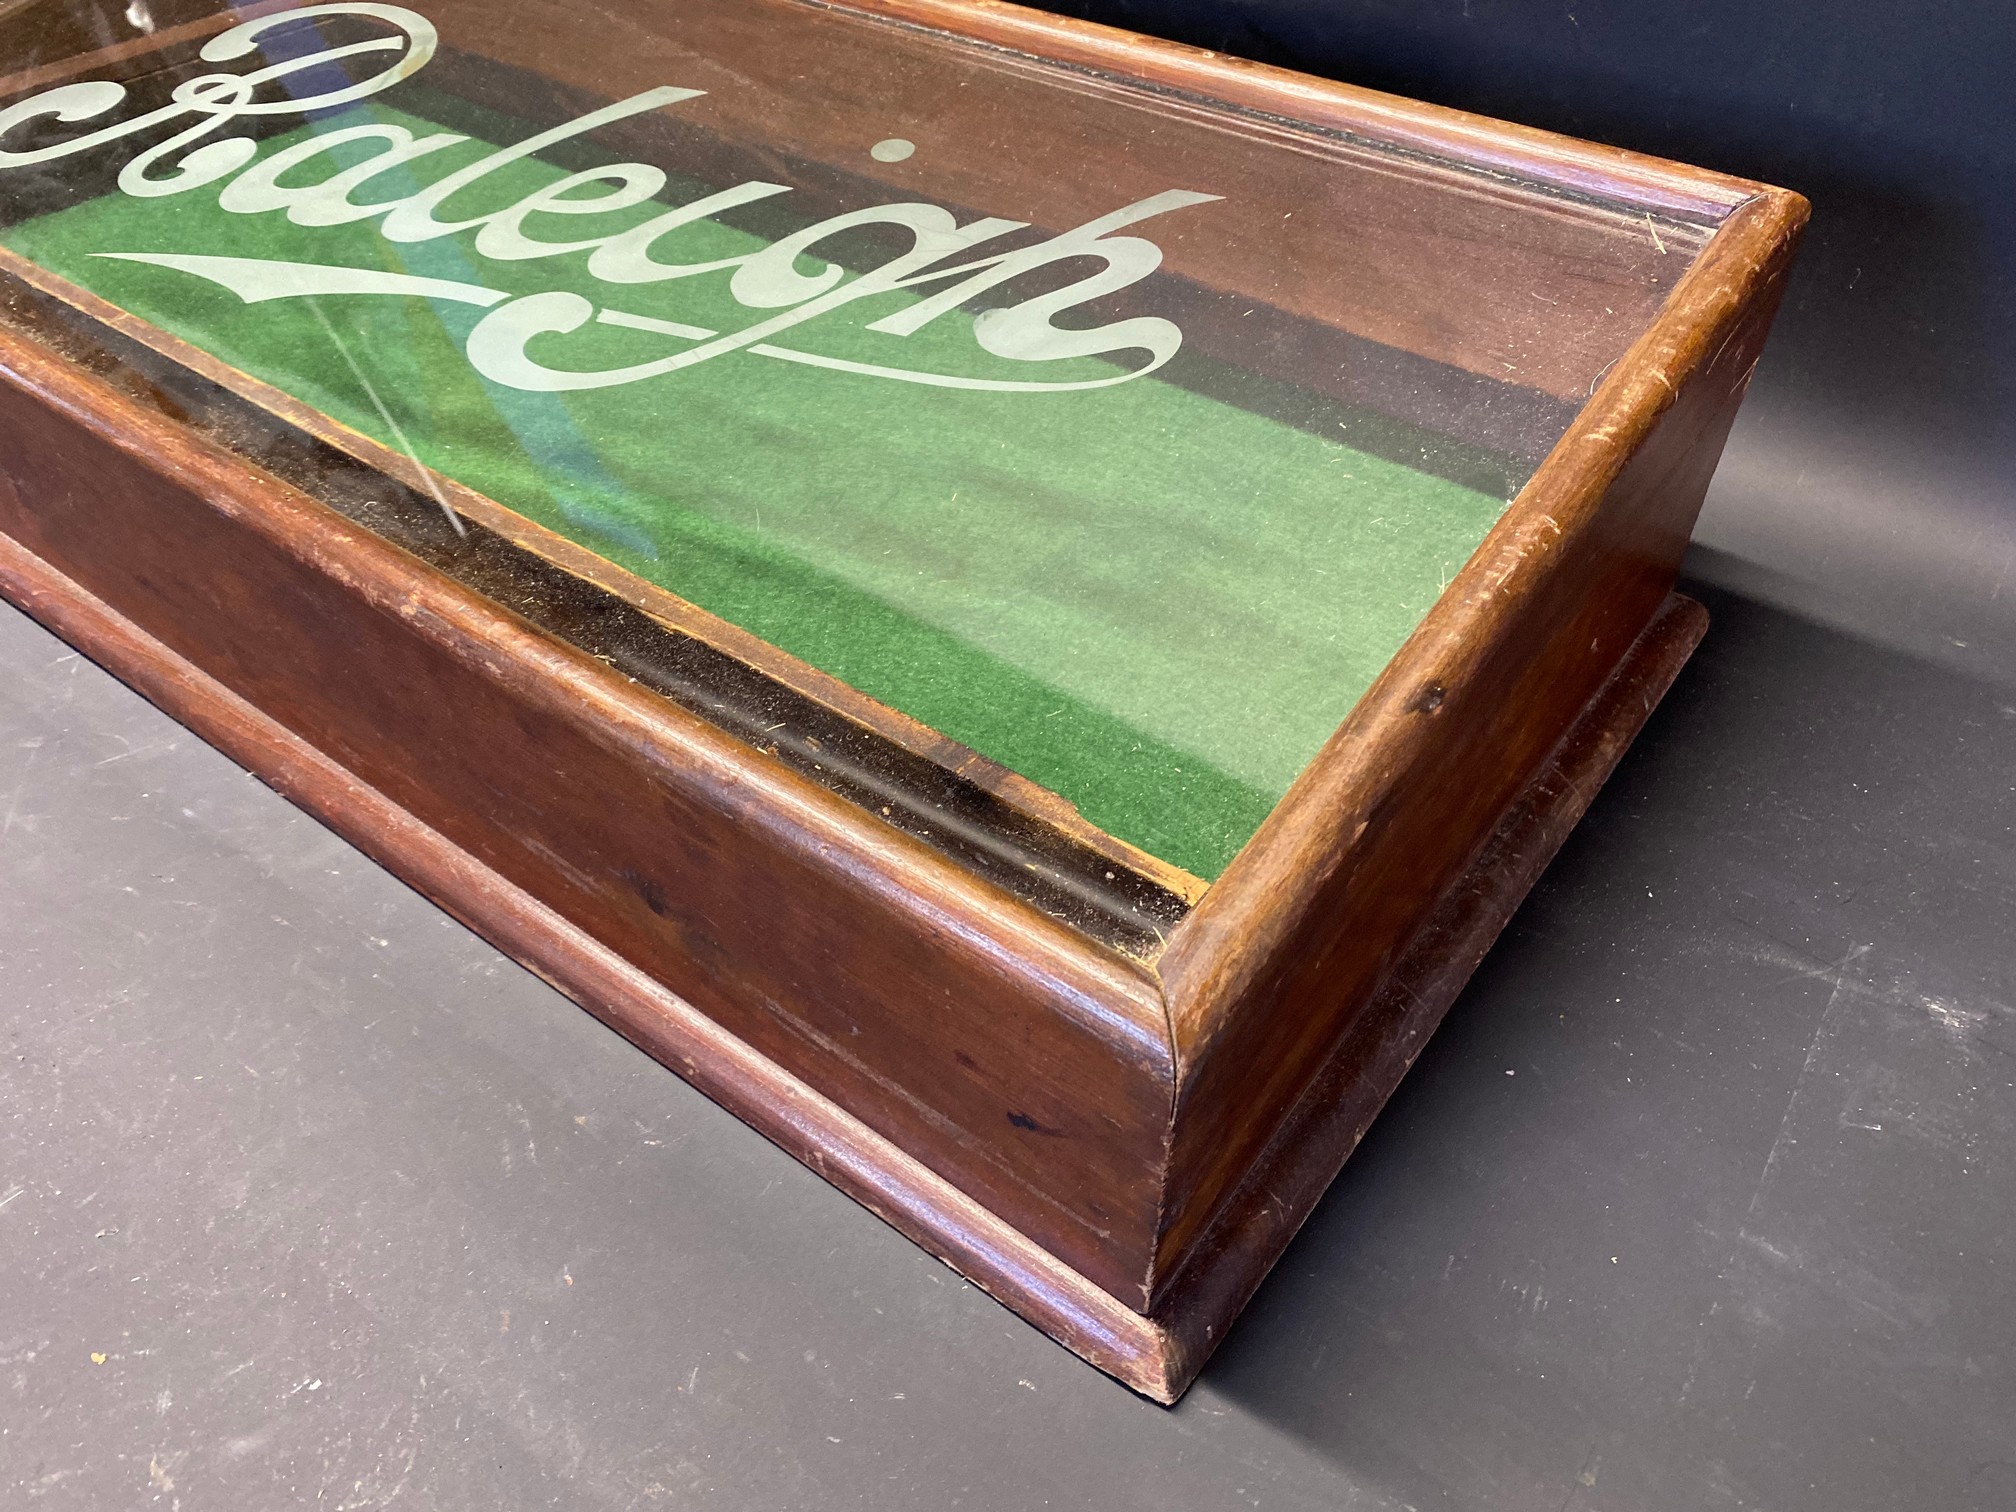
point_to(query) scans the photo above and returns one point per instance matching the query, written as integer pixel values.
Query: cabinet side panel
(982, 1040)
(1265, 985)
(1197, 1303)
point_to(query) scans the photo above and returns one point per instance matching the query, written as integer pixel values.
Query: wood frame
(1117, 1140)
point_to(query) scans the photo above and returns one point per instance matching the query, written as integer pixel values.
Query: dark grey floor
(1702, 1197)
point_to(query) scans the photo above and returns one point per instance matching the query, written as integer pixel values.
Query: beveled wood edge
(660, 604)
(1229, 938)
(1228, 1261)
(921, 1205)
(1110, 993)
(1565, 162)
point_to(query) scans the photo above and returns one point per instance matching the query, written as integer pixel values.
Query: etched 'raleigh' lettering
(195, 154)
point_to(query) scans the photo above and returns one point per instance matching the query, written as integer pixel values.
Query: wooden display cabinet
(1016, 603)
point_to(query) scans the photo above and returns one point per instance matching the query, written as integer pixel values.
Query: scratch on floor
(1838, 975)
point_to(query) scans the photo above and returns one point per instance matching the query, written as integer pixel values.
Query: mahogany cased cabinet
(1016, 603)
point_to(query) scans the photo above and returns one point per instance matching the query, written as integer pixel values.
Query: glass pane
(1118, 438)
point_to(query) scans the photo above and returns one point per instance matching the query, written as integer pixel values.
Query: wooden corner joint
(1374, 1036)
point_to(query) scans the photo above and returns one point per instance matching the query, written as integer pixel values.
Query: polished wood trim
(1515, 563)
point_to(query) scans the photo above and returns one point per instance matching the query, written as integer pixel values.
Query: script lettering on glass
(765, 280)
